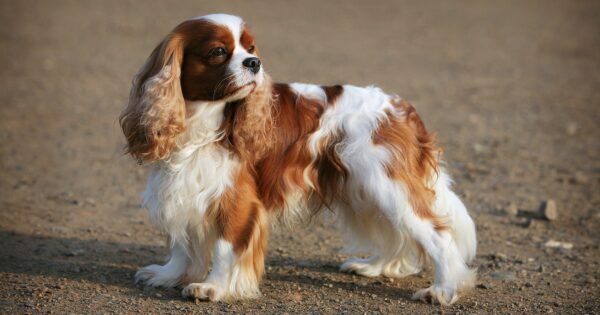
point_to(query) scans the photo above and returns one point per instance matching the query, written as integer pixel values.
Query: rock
(580, 178)
(500, 256)
(548, 210)
(479, 148)
(558, 244)
(485, 286)
(571, 128)
(590, 280)
(511, 209)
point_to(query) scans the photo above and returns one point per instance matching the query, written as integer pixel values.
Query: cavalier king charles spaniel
(232, 152)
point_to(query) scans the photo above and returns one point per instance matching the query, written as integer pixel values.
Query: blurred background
(512, 89)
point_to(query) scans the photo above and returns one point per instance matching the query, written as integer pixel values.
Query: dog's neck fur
(247, 123)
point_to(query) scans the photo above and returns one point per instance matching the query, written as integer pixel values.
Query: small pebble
(500, 256)
(571, 128)
(590, 280)
(558, 244)
(548, 309)
(580, 178)
(511, 209)
(548, 210)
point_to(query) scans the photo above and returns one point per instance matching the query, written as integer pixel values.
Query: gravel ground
(511, 87)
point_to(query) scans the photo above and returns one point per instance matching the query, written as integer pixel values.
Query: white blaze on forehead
(232, 22)
(235, 24)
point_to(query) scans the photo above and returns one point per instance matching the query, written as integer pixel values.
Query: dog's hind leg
(420, 220)
(437, 236)
(392, 253)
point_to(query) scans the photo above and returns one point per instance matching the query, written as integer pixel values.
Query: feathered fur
(230, 149)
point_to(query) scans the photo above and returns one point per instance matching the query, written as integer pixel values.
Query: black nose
(252, 63)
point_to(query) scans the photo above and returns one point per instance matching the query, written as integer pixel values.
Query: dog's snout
(252, 63)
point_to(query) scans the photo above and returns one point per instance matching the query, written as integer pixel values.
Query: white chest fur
(180, 189)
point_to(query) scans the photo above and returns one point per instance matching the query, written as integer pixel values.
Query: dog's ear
(155, 114)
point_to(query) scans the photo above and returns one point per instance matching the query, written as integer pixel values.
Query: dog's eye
(251, 49)
(217, 52)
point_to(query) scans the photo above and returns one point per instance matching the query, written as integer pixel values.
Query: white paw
(368, 267)
(400, 268)
(202, 291)
(144, 275)
(437, 295)
(156, 276)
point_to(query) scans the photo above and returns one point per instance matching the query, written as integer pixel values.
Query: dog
(231, 152)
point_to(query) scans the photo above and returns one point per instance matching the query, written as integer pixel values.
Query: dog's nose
(252, 63)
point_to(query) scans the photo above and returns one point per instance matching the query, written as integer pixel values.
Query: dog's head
(211, 58)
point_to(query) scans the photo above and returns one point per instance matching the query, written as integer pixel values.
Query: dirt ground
(512, 89)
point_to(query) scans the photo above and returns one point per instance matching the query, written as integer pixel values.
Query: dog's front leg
(238, 253)
(168, 275)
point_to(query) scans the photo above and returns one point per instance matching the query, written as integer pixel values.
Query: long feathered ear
(155, 114)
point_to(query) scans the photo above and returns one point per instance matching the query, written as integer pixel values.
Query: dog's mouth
(241, 91)
(251, 85)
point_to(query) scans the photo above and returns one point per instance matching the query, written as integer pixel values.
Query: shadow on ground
(114, 264)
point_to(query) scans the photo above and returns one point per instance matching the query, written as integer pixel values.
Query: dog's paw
(202, 291)
(157, 276)
(368, 267)
(437, 295)
(146, 274)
